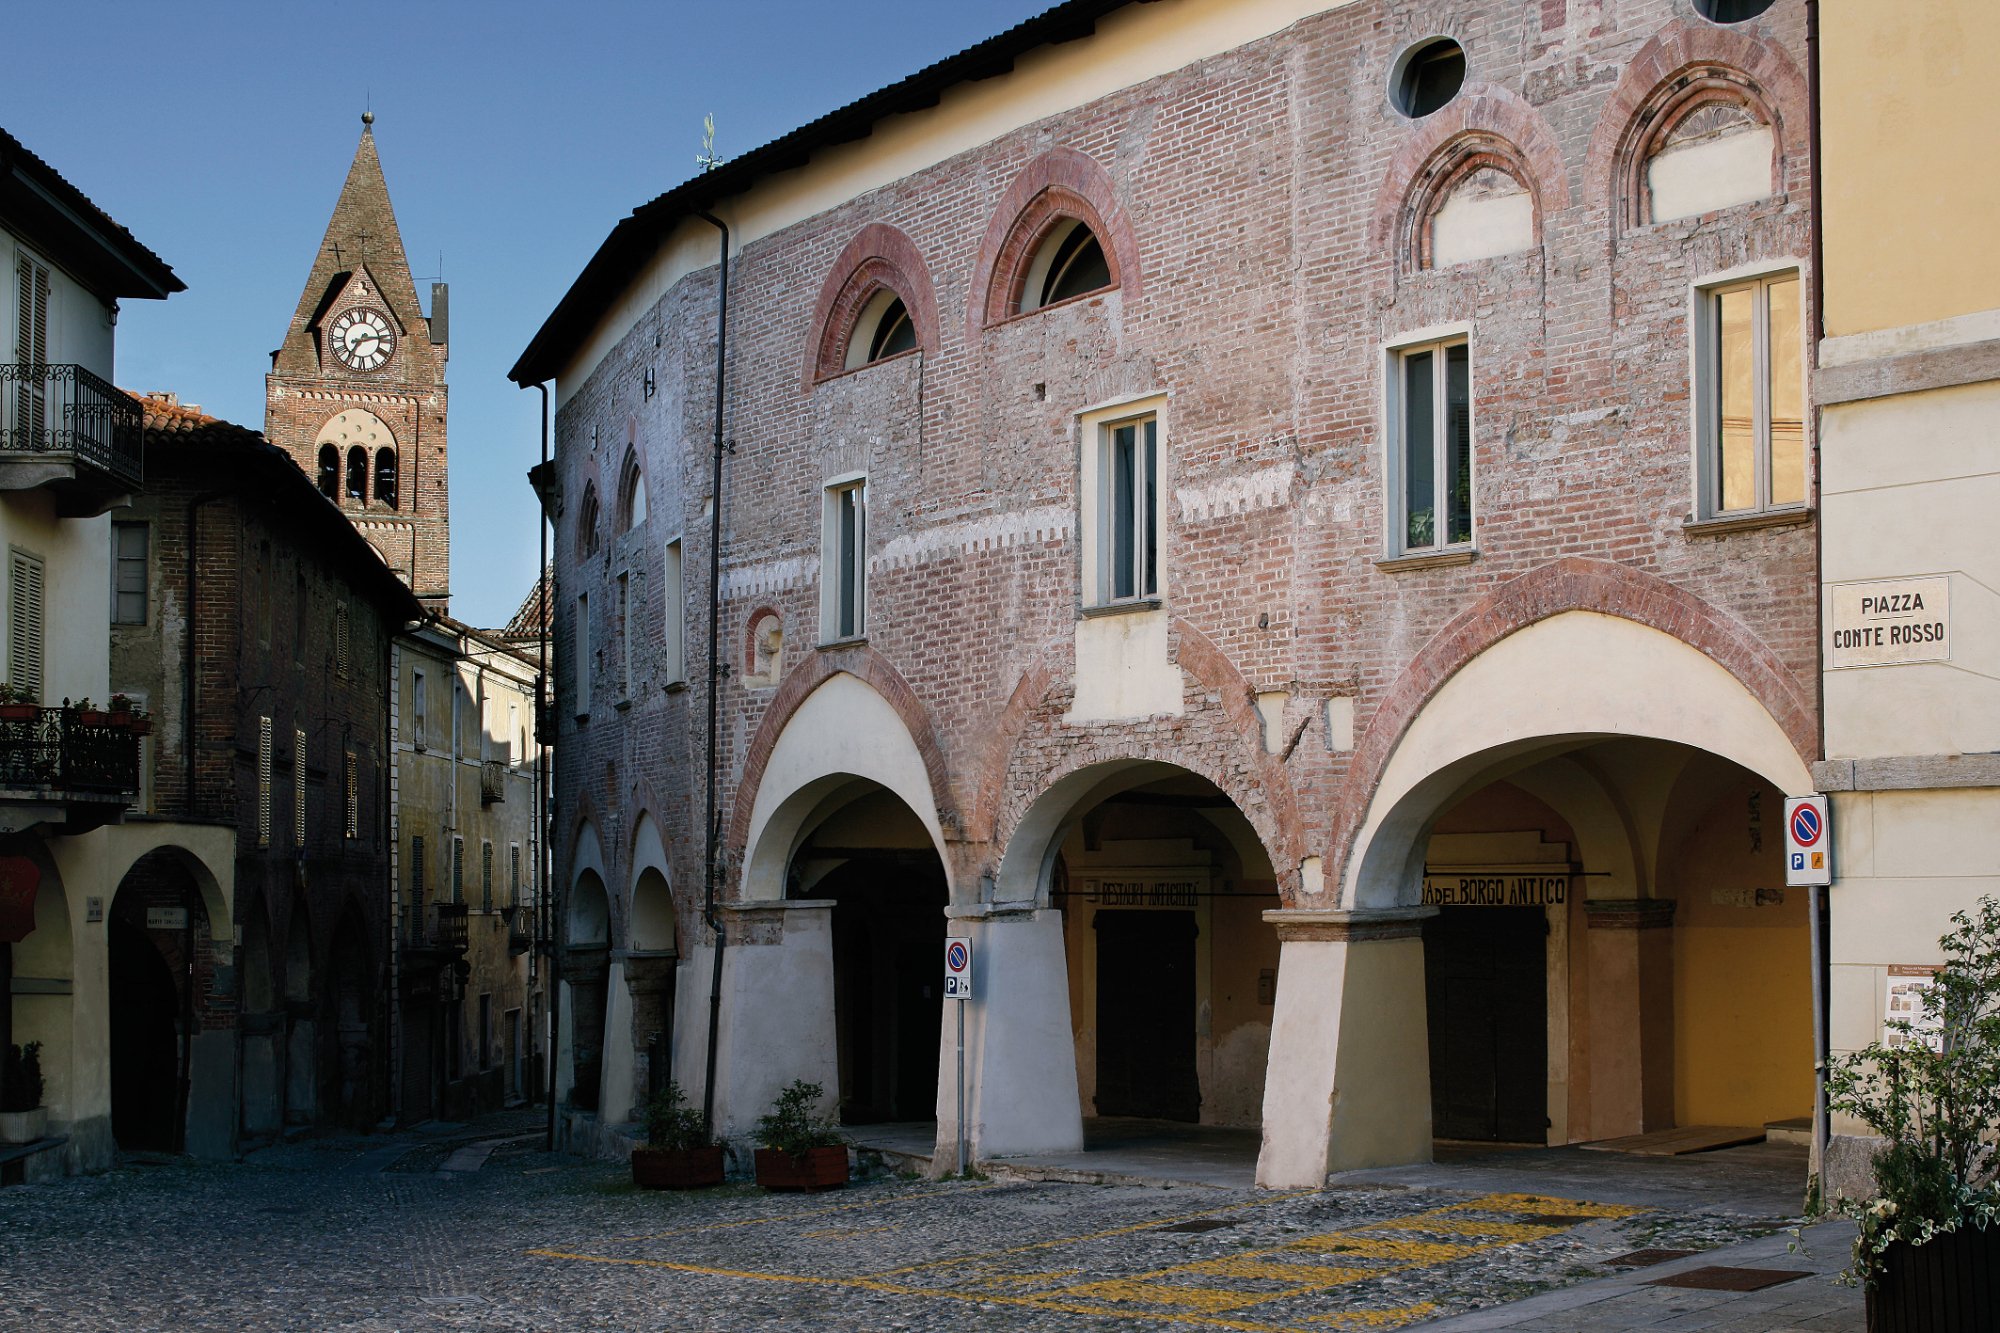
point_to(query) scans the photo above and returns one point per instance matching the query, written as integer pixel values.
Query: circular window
(1730, 11)
(1428, 75)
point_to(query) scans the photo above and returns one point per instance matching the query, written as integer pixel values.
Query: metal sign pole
(963, 1165)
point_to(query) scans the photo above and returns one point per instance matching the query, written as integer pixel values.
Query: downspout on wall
(711, 869)
(548, 945)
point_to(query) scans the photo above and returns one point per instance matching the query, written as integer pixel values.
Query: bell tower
(356, 393)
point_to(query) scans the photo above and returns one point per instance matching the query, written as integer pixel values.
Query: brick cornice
(874, 670)
(1571, 584)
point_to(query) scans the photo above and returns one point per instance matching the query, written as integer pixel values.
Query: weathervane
(706, 158)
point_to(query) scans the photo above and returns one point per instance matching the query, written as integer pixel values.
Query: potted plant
(680, 1154)
(88, 714)
(23, 1118)
(17, 704)
(1933, 1094)
(802, 1150)
(126, 715)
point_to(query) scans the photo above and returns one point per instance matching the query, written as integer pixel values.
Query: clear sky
(514, 136)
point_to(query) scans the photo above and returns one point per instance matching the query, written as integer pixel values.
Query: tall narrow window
(513, 874)
(1433, 446)
(419, 710)
(343, 660)
(128, 573)
(31, 348)
(507, 742)
(673, 596)
(486, 876)
(1128, 497)
(843, 591)
(298, 787)
(385, 477)
(25, 625)
(582, 671)
(1751, 396)
(417, 876)
(263, 782)
(458, 869)
(329, 472)
(357, 475)
(625, 636)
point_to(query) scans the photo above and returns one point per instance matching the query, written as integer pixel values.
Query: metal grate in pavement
(1717, 1278)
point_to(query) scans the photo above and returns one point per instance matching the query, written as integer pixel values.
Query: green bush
(1935, 1099)
(793, 1126)
(672, 1123)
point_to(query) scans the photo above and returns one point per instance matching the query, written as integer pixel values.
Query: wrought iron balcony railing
(440, 927)
(62, 412)
(63, 749)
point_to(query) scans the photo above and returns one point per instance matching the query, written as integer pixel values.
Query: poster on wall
(1908, 1000)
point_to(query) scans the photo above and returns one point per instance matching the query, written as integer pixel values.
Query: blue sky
(513, 135)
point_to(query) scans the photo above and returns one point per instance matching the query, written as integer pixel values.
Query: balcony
(493, 782)
(64, 428)
(65, 768)
(437, 929)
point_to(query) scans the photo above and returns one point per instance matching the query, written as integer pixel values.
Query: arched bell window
(883, 330)
(1069, 262)
(385, 477)
(357, 475)
(329, 472)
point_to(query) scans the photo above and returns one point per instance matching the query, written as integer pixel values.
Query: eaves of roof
(634, 241)
(36, 201)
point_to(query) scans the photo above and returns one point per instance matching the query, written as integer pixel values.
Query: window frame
(673, 618)
(1438, 343)
(1098, 501)
(843, 556)
(1705, 375)
(119, 560)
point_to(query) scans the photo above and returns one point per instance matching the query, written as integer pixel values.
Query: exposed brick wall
(1254, 207)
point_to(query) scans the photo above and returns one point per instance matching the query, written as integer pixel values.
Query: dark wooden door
(1486, 990)
(1145, 1015)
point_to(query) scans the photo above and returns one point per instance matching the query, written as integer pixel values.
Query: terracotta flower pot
(676, 1168)
(1948, 1284)
(91, 717)
(24, 1126)
(19, 712)
(813, 1169)
(140, 726)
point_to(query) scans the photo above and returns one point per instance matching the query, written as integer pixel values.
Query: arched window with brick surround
(876, 304)
(587, 536)
(385, 477)
(1059, 234)
(631, 494)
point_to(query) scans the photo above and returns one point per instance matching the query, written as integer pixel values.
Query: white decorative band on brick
(990, 532)
(770, 576)
(1264, 489)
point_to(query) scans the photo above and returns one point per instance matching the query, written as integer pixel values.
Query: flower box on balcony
(92, 717)
(19, 712)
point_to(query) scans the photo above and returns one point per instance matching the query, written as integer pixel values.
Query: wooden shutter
(458, 870)
(341, 658)
(486, 876)
(31, 348)
(353, 798)
(25, 623)
(417, 873)
(299, 786)
(263, 782)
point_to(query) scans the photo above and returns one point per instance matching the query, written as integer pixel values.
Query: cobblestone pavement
(479, 1230)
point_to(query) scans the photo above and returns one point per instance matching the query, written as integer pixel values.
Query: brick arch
(1061, 183)
(879, 256)
(1275, 819)
(878, 674)
(752, 623)
(1483, 119)
(1570, 584)
(1687, 63)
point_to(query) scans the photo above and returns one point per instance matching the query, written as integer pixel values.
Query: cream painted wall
(1123, 669)
(79, 331)
(844, 730)
(1481, 224)
(1906, 132)
(1711, 174)
(1909, 486)
(76, 592)
(1132, 45)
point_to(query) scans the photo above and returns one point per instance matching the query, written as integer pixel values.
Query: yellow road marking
(1388, 1318)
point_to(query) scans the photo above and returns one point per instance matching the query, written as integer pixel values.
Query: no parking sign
(1808, 845)
(958, 969)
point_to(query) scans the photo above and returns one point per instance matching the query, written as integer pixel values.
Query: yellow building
(1908, 386)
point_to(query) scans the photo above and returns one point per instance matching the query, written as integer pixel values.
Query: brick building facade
(1209, 483)
(269, 683)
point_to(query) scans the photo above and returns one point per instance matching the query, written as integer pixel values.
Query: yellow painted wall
(1742, 972)
(1909, 194)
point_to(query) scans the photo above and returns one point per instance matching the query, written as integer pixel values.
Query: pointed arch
(1062, 185)
(880, 259)
(1484, 125)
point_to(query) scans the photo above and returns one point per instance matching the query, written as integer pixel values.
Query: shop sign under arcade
(1497, 886)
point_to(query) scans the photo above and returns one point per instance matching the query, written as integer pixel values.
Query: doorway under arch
(158, 966)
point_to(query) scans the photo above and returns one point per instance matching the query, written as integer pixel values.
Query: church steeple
(356, 391)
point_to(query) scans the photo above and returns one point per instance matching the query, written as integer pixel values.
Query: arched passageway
(586, 973)
(352, 1081)
(37, 981)
(160, 970)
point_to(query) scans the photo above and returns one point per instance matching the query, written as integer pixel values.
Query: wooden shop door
(1146, 1015)
(1486, 992)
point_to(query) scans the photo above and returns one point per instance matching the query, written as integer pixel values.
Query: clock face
(363, 339)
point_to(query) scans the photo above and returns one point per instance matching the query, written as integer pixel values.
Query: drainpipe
(545, 906)
(1817, 899)
(710, 868)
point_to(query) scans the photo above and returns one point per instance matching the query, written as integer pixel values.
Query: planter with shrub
(23, 1118)
(802, 1150)
(679, 1153)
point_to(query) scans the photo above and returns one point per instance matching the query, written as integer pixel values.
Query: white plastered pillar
(1020, 1061)
(615, 1104)
(776, 1023)
(1349, 1078)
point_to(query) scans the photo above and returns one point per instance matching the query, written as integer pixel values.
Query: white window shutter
(25, 624)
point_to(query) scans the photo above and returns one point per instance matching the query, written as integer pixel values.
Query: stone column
(1631, 1021)
(1020, 1059)
(584, 972)
(1349, 1082)
(649, 976)
(777, 1008)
